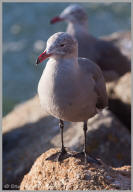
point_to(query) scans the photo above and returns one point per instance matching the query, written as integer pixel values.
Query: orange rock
(73, 174)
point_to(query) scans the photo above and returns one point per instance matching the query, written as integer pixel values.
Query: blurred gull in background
(112, 62)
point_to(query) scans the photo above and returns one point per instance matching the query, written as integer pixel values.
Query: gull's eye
(62, 45)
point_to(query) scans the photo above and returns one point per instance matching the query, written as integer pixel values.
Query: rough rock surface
(27, 132)
(107, 139)
(74, 174)
(119, 93)
(30, 132)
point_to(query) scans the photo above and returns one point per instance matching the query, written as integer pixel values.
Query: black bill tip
(37, 61)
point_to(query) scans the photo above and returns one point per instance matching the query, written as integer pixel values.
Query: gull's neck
(77, 27)
(71, 59)
(65, 62)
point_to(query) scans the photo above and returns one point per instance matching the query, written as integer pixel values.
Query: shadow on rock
(21, 146)
(122, 111)
(107, 138)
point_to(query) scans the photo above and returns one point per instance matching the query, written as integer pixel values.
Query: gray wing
(87, 47)
(90, 67)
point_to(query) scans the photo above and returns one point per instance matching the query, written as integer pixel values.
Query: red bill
(42, 57)
(55, 20)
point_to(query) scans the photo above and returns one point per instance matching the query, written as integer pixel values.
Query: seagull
(109, 58)
(70, 88)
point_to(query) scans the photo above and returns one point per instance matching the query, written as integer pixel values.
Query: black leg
(61, 125)
(88, 158)
(63, 150)
(85, 147)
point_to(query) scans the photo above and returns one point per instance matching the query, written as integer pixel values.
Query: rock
(107, 139)
(27, 112)
(121, 89)
(122, 40)
(72, 174)
(119, 93)
(27, 133)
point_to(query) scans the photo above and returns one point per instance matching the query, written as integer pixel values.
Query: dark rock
(119, 93)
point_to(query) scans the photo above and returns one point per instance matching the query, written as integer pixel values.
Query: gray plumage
(109, 58)
(70, 88)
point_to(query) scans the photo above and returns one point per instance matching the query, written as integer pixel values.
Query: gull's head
(60, 44)
(74, 13)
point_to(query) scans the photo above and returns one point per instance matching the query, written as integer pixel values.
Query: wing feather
(91, 68)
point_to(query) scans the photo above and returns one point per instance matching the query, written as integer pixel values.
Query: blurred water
(26, 29)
